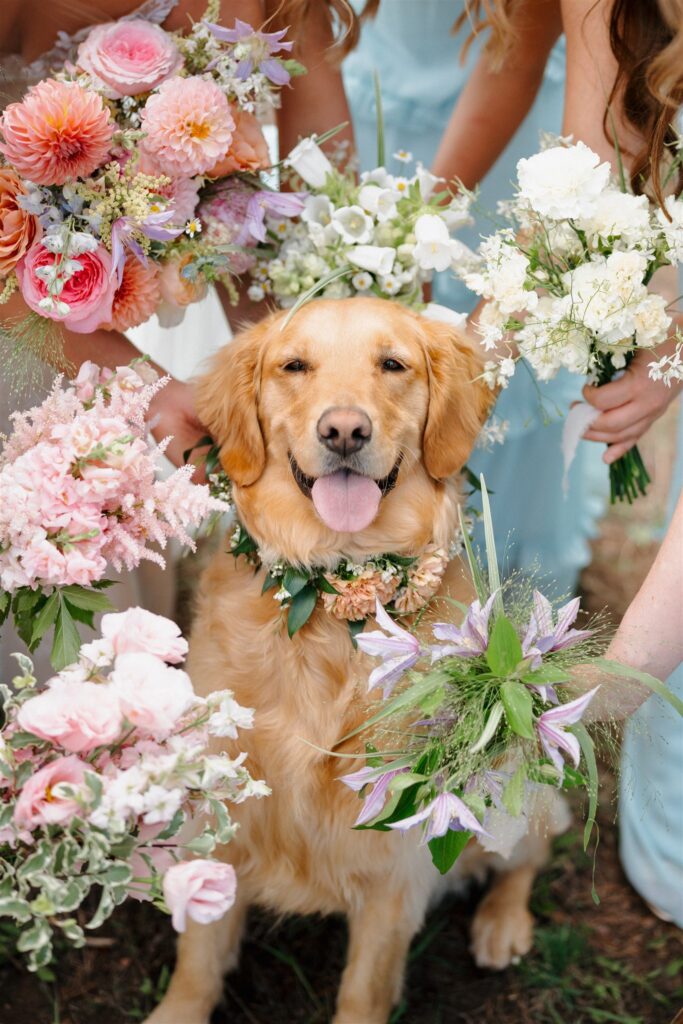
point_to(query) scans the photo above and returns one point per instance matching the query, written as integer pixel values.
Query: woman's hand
(172, 412)
(629, 406)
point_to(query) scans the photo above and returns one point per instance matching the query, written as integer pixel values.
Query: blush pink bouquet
(108, 159)
(104, 774)
(80, 492)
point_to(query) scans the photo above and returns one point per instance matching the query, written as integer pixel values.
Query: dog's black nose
(344, 430)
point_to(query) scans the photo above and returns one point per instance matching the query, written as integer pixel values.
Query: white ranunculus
(353, 224)
(619, 214)
(310, 163)
(651, 320)
(563, 181)
(317, 210)
(673, 229)
(378, 259)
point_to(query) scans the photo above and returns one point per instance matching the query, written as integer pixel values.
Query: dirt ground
(612, 964)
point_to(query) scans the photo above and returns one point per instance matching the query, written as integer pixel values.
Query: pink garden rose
(129, 57)
(42, 802)
(201, 889)
(139, 631)
(188, 126)
(77, 716)
(153, 695)
(89, 293)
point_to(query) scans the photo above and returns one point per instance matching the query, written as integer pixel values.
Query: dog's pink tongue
(346, 502)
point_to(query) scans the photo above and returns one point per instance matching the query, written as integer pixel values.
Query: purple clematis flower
(122, 238)
(283, 204)
(446, 811)
(468, 640)
(543, 636)
(376, 798)
(552, 730)
(257, 50)
(399, 651)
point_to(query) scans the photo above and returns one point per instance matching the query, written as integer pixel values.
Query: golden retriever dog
(384, 406)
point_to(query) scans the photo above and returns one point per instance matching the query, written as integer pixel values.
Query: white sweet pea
(378, 259)
(310, 163)
(563, 181)
(353, 224)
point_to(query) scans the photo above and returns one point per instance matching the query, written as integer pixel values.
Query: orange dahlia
(59, 131)
(138, 295)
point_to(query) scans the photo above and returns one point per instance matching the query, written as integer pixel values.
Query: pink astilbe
(78, 485)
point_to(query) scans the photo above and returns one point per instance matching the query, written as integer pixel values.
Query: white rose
(563, 181)
(377, 259)
(310, 163)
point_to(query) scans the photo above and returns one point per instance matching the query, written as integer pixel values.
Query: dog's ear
(227, 398)
(458, 401)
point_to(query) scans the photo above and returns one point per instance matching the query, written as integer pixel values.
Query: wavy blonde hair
(339, 14)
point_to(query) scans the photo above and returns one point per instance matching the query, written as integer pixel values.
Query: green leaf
(45, 618)
(36, 862)
(117, 874)
(588, 751)
(270, 582)
(547, 675)
(294, 581)
(104, 910)
(504, 651)
(10, 906)
(173, 827)
(88, 600)
(518, 708)
(5, 602)
(203, 844)
(355, 628)
(445, 850)
(66, 643)
(324, 584)
(513, 794)
(300, 610)
(34, 937)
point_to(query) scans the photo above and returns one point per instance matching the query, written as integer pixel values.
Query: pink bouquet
(100, 770)
(79, 492)
(107, 161)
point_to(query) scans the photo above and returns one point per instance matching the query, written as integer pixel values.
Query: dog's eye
(295, 366)
(392, 366)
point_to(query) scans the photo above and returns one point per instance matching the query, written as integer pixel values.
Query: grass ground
(612, 964)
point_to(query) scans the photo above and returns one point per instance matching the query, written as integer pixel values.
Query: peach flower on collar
(248, 149)
(18, 229)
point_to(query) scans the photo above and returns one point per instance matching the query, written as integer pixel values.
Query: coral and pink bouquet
(105, 779)
(567, 281)
(476, 721)
(79, 492)
(106, 164)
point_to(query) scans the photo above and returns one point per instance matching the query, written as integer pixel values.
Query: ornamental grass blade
(406, 699)
(588, 751)
(311, 292)
(656, 685)
(380, 120)
(491, 556)
(475, 571)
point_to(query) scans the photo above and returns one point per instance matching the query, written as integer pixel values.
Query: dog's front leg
(205, 953)
(380, 931)
(503, 927)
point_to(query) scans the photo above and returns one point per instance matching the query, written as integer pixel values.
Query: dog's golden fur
(295, 851)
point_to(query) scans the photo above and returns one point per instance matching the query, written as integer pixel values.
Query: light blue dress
(651, 788)
(411, 45)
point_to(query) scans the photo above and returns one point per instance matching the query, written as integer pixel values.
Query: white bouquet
(382, 235)
(567, 280)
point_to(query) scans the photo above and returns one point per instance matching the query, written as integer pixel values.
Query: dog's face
(328, 421)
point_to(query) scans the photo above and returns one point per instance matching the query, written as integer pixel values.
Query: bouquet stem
(628, 477)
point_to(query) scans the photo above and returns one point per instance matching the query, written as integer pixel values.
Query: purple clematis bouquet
(477, 717)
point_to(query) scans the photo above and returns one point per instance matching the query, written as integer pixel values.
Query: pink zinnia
(58, 132)
(188, 124)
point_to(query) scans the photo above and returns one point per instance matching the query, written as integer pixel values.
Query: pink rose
(140, 631)
(153, 695)
(201, 889)
(89, 294)
(75, 716)
(129, 57)
(42, 800)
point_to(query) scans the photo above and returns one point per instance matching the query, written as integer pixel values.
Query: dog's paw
(177, 1013)
(501, 934)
